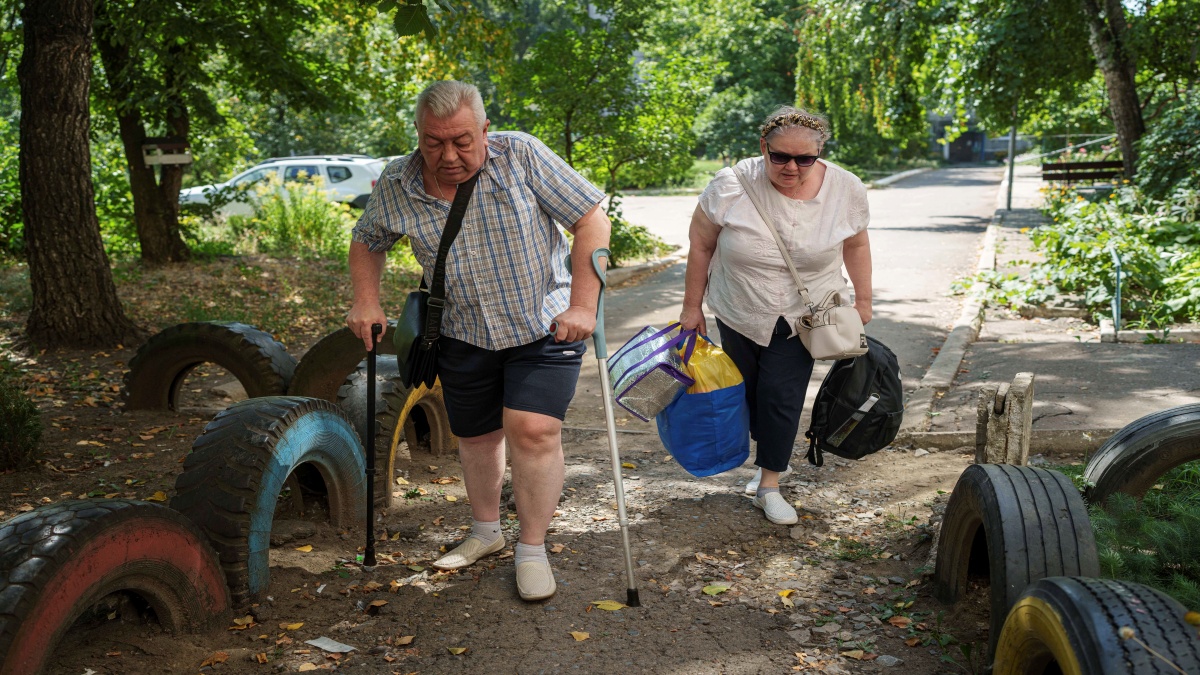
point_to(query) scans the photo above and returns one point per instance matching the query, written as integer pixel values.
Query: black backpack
(839, 422)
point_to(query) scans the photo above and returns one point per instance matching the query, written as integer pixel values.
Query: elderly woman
(820, 211)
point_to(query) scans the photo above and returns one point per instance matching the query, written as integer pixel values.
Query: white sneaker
(752, 486)
(777, 509)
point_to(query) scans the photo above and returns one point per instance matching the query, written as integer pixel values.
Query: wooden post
(1004, 422)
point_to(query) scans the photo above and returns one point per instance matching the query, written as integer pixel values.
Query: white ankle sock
(486, 532)
(523, 553)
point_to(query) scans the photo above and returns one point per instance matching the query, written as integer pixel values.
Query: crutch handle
(598, 334)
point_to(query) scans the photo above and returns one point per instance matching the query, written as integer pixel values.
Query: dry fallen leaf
(913, 641)
(854, 654)
(243, 621)
(291, 626)
(608, 605)
(400, 480)
(261, 657)
(900, 621)
(787, 602)
(599, 518)
(406, 640)
(217, 657)
(715, 589)
(377, 603)
(307, 548)
(305, 667)
(787, 592)
(629, 465)
(579, 636)
(557, 548)
(159, 496)
(456, 650)
(451, 498)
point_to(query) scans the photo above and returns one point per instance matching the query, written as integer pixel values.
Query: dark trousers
(776, 381)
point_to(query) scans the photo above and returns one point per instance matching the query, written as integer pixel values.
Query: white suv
(347, 178)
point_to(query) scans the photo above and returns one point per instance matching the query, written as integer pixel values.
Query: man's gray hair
(787, 117)
(443, 99)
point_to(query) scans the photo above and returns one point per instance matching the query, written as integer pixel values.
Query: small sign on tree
(165, 150)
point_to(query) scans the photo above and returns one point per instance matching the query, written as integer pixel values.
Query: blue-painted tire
(232, 479)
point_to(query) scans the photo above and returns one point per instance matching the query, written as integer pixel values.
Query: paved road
(925, 234)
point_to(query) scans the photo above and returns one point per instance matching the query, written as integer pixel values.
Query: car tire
(233, 477)
(259, 362)
(1074, 626)
(59, 560)
(1142, 452)
(1031, 523)
(323, 369)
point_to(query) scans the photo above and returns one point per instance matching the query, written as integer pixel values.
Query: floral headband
(792, 119)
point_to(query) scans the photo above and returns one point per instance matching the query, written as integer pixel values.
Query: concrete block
(1004, 422)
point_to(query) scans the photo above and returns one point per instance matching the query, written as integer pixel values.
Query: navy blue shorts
(478, 383)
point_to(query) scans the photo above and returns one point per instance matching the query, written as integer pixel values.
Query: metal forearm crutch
(607, 395)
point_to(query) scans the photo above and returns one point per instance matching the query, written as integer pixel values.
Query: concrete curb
(888, 180)
(1173, 335)
(1041, 441)
(940, 376)
(620, 275)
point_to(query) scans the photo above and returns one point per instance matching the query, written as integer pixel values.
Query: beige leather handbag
(831, 331)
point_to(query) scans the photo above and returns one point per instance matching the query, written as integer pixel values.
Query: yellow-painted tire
(1073, 626)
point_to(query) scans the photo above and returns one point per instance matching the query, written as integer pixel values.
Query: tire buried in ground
(1015, 525)
(352, 397)
(236, 471)
(1143, 451)
(1074, 626)
(257, 360)
(323, 369)
(59, 560)
(421, 419)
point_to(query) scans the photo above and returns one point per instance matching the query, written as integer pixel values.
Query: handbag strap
(437, 289)
(804, 297)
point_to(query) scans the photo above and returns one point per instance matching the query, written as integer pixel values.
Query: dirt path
(856, 560)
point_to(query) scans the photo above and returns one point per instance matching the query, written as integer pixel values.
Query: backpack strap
(815, 456)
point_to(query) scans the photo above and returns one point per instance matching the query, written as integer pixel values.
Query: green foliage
(1170, 150)
(295, 219)
(1153, 544)
(20, 426)
(752, 43)
(1157, 242)
(629, 241)
(859, 63)
(114, 202)
(12, 231)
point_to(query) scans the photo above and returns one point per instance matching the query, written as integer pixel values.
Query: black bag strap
(437, 289)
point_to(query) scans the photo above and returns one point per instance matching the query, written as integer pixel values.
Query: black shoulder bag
(420, 324)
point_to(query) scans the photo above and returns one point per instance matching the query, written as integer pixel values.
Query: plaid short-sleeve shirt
(506, 275)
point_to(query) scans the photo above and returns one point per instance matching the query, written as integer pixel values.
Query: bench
(1072, 172)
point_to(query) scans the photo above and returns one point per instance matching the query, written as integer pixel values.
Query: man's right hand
(693, 317)
(360, 319)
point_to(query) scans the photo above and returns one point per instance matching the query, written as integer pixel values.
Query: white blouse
(749, 286)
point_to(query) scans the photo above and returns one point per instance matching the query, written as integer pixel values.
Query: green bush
(296, 219)
(1156, 543)
(629, 241)
(1170, 150)
(20, 427)
(12, 231)
(1157, 242)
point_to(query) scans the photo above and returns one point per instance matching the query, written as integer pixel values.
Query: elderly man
(506, 381)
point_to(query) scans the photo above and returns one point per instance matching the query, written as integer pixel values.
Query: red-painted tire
(57, 561)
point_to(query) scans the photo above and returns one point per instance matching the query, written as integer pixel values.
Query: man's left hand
(577, 323)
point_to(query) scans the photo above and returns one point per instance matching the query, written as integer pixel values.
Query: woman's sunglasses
(783, 158)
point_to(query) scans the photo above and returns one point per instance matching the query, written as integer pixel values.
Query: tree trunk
(155, 213)
(1107, 34)
(74, 299)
